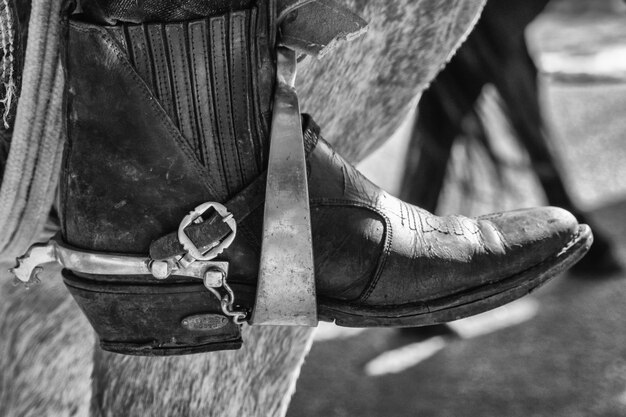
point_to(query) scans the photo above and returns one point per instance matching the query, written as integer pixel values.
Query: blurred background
(562, 350)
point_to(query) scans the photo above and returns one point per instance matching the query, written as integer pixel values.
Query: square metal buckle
(195, 216)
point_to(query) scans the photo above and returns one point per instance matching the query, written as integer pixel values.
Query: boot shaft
(186, 120)
(203, 73)
(161, 117)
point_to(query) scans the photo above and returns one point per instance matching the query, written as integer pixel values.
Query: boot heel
(154, 319)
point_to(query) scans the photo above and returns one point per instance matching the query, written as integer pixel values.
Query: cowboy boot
(164, 116)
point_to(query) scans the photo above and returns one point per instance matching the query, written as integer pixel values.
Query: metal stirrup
(286, 286)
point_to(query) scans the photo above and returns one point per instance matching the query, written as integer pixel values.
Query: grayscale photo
(303, 208)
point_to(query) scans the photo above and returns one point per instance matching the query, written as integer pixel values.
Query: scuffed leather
(420, 256)
(138, 154)
(213, 229)
(143, 148)
(146, 319)
(201, 73)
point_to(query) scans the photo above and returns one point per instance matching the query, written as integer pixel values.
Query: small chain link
(227, 301)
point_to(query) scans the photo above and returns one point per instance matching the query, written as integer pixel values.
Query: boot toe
(529, 236)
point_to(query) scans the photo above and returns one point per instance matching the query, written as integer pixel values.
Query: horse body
(359, 94)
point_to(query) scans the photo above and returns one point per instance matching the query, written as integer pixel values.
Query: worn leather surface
(374, 249)
(213, 228)
(397, 253)
(178, 129)
(160, 118)
(152, 134)
(147, 319)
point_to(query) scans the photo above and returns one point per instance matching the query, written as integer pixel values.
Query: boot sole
(460, 305)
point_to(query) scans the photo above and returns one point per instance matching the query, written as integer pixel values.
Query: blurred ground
(560, 352)
(581, 39)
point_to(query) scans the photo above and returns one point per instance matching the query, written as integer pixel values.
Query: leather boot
(164, 116)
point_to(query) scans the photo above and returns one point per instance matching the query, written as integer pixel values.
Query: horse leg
(45, 351)
(257, 380)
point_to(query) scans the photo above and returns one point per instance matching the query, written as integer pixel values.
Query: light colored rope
(7, 38)
(34, 161)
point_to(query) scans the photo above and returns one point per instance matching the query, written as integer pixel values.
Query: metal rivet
(160, 269)
(214, 278)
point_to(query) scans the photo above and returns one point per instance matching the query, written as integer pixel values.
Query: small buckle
(218, 247)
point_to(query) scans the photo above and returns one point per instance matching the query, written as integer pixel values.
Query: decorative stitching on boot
(238, 84)
(197, 62)
(256, 106)
(237, 33)
(452, 225)
(192, 59)
(181, 82)
(407, 216)
(164, 90)
(263, 72)
(138, 48)
(311, 133)
(223, 103)
(209, 148)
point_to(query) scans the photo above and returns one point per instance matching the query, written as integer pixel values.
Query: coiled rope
(7, 41)
(32, 169)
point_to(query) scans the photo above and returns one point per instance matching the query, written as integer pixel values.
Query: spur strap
(213, 229)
